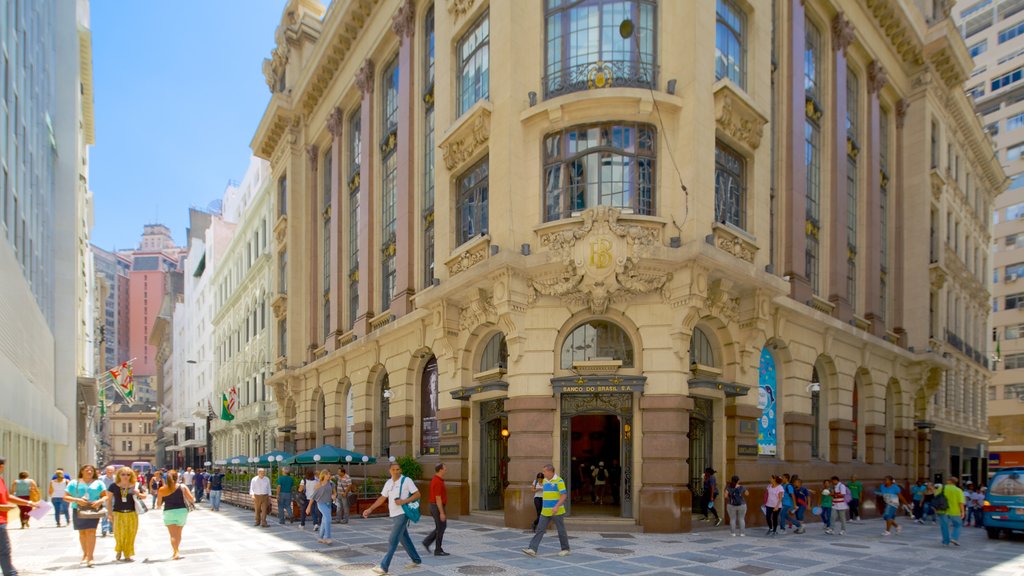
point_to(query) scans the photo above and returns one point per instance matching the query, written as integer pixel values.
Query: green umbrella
(330, 455)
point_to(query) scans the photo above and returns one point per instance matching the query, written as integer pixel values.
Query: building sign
(748, 427)
(450, 429)
(449, 450)
(429, 437)
(1005, 459)
(747, 449)
(766, 401)
(598, 384)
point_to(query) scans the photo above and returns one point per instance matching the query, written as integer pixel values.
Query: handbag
(33, 494)
(97, 514)
(140, 505)
(411, 509)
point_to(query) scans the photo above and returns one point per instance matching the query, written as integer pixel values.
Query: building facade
(132, 433)
(604, 255)
(243, 345)
(994, 34)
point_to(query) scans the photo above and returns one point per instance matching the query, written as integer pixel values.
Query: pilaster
(664, 500)
(335, 122)
(877, 79)
(795, 170)
(842, 35)
(365, 79)
(312, 282)
(531, 426)
(403, 25)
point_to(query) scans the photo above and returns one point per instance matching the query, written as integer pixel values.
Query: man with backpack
(600, 482)
(949, 505)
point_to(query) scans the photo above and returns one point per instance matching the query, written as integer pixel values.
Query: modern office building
(606, 252)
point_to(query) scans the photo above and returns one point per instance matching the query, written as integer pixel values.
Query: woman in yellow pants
(126, 521)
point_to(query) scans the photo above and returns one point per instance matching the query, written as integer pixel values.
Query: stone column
(362, 436)
(403, 23)
(877, 78)
(314, 231)
(531, 445)
(842, 35)
(874, 444)
(799, 428)
(841, 441)
(365, 79)
(795, 241)
(741, 433)
(664, 503)
(454, 424)
(904, 442)
(897, 252)
(335, 122)
(924, 444)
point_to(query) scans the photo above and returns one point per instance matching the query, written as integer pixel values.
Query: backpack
(602, 474)
(939, 501)
(736, 496)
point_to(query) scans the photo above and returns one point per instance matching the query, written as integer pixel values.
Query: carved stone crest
(459, 7)
(403, 20)
(877, 77)
(335, 121)
(471, 136)
(737, 118)
(364, 77)
(601, 261)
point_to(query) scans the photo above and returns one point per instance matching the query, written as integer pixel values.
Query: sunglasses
(123, 474)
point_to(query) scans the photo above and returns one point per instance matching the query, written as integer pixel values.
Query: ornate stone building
(683, 262)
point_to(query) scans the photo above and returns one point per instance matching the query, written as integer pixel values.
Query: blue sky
(179, 91)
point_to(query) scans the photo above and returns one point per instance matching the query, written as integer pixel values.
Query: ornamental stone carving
(474, 254)
(737, 248)
(737, 117)
(403, 21)
(364, 77)
(335, 121)
(877, 77)
(480, 311)
(459, 7)
(601, 261)
(901, 112)
(470, 137)
(842, 32)
(312, 154)
(274, 67)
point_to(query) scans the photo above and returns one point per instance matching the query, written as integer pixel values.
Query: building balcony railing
(955, 340)
(600, 74)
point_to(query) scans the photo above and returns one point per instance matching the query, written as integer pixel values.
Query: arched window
(767, 444)
(608, 164)
(856, 418)
(321, 418)
(495, 354)
(816, 414)
(350, 438)
(890, 421)
(385, 415)
(701, 351)
(597, 339)
(430, 439)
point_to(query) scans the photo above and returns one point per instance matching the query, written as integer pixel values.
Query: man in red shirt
(7, 503)
(438, 501)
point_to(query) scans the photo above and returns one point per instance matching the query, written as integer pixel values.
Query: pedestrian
(87, 493)
(322, 498)
(801, 500)
(600, 482)
(979, 506)
(23, 488)
(736, 505)
(344, 492)
(200, 484)
(840, 503)
(155, 484)
(308, 487)
(892, 496)
(398, 491)
(175, 499)
(538, 496)
(974, 501)
(710, 494)
(951, 507)
(216, 488)
(123, 493)
(773, 504)
(259, 490)
(285, 488)
(8, 503)
(58, 487)
(438, 503)
(826, 506)
(553, 511)
(917, 492)
(189, 478)
(108, 480)
(856, 491)
(788, 516)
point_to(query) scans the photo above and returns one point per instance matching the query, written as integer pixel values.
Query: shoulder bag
(140, 503)
(88, 514)
(411, 509)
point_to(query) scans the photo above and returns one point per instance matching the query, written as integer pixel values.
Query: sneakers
(733, 534)
(829, 531)
(566, 552)
(799, 530)
(378, 570)
(954, 542)
(742, 534)
(413, 565)
(886, 533)
(718, 522)
(530, 552)
(842, 532)
(899, 529)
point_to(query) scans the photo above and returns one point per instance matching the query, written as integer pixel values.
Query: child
(826, 506)
(803, 498)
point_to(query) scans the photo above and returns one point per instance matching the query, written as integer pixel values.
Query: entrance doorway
(596, 471)
(493, 454)
(701, 449)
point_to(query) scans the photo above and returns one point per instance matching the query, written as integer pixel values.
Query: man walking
(438, 502)
(952, 518)
(553, 511)
(216, 487)
(190, 477)
(840, 503)
(200, 482)
(856, 489)
(285, 487)
(892, 496)
(108, 479)
(259, 489)
(344, 489)
(917, 492)
(397, 491)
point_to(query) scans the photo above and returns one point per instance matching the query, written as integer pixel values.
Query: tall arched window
(890, 421)
(767, 441)
(430, 439)
(701, 351)
(385, 415)
(597, 339)
(350, 438)
(321, 418)
(856, 418)
(816, 414)
(495, 354)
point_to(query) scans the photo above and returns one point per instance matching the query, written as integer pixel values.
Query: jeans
(538, 503)
(284, 508)
(947, 520)
(787, 517)
(437, 535)
(771, 515)
(855, 508)
(215, 499)
(399, 533)
(105, 525)
(542, 526)
(325, 512)
(5, 553)
(60, 507)
(709, 506)
(315, 515)
(841, 514)
(737, 515)
(918, 509)
(978, 515)
(343, 508)
(826, 517)
(199, 493)
(800, 513)
(153, 505)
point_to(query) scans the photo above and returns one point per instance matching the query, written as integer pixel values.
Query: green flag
(225, 409)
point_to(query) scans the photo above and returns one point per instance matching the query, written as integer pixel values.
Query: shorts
(82, 523)
(175, 517)
(890, 513)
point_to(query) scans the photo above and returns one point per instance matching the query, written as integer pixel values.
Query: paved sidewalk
(226, 543)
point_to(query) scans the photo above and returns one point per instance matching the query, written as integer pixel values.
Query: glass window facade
(473, 202)
(730, 186)
(474, 65)
(597, 339)
(730, 43)
(812, 150)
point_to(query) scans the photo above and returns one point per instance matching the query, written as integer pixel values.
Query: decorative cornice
(470, 136)
(364, 77)
(842, 32)
(403, 22)
(459, 7)
(877, 77)
(335, 122)
(312, 154)
(895, 23)
(737, 117)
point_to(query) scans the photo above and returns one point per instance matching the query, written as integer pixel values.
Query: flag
(122, 376)
(227, 406)
(103, 401)
(209, 408)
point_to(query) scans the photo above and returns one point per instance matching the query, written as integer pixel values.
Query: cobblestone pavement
(226, 543)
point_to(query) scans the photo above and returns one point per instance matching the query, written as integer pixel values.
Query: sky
(178, 93)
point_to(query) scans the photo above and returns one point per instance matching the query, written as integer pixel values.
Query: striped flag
(122, 376)
(228, 402)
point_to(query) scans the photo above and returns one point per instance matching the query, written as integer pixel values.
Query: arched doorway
(493, 454)
(701, 439)
(597, 452)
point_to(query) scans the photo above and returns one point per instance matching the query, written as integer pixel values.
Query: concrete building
(46, 125)
(243, 347)
(113, 269)
(132, 433)
(994, 34)
(604, 252)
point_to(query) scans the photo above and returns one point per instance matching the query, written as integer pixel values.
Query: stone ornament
(459, 7)
(601, 261)
(364, 77)
(877, 77)
(335, 122)
(737, 118)
(403, 21)
(470, 137)
(842, 32)
(274, 67)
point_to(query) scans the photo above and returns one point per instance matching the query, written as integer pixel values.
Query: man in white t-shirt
(840, 503)
(189, 476)
(398, 490)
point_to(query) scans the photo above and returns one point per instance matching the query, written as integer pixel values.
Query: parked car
(1004, 502)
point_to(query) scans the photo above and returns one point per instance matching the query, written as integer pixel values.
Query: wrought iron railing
(600, 74)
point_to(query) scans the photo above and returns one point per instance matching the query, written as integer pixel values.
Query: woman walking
(175, 499)
(538, 496)
(773, 504)
(123, 493)
(23, 488)
(87, 493)
(155, 483)
(736, 506)
(307, 487)
(322, 497)
(58, 487)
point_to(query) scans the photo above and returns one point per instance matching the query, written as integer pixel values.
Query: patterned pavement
(226, 543)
